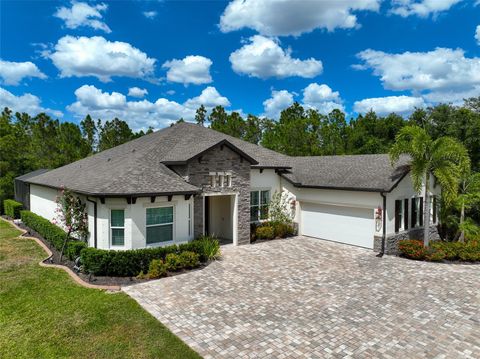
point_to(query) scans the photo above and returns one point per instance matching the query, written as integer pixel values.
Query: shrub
(189, 259)
(412, 249)
(470, 252)
(173, 262)
(50, 232)
(73, 249)
(265, 232)
(156, 269)
(451, 249)
(207, 247)
(12, 208)
(434, 255)
(282, 229)
(130, 263)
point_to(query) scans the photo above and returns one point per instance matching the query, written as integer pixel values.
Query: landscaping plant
(445, 158)
(12, 208)
(71, 214)
(157, 269)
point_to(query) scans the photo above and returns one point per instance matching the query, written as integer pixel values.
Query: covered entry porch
(220, 216)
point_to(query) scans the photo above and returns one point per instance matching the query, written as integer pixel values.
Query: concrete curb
(76, 278)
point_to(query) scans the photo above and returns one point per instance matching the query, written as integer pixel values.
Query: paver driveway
(308, 298)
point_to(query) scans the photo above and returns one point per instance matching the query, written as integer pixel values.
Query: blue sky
(152, 62)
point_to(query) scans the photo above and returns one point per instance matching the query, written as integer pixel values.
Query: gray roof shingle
(356, 172)
(139, 167)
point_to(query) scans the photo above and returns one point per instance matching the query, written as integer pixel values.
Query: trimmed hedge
(130, 263)
(12, 208)
(52, 234)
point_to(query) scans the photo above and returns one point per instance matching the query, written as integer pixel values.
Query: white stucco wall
(135, 220)
(267, 179)
(42, 201)
(405, 190)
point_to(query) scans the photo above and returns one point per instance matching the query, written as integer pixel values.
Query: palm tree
(444, 158)
(468, 196)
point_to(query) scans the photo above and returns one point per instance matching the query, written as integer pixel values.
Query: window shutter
(414, 212)
(434, 209)
(421, 212)
(405, 213)
(397, 215)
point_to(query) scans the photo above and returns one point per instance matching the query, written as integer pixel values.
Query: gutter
(384, 225)
(94, 222)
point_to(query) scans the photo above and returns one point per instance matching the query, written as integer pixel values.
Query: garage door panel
(337, 223)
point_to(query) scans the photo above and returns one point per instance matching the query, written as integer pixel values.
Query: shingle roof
(29, 175)
(372, 173)
(139, 167)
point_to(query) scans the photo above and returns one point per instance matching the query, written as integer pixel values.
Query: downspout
(384, 225)
(94, 222)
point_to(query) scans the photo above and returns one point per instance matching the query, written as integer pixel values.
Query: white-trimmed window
(159, 225)
(117, 227)
(259, 201)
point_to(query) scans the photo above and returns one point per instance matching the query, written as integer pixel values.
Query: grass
(44, 314)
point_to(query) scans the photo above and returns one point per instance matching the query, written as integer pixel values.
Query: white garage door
(337, 223)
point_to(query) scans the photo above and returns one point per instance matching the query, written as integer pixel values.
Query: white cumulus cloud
(279, 101)
(14, 72)
(96, 56)
(209, 98)
(150, 14)
(401, 105)
(422, 8)
(263, 57)
(27, 102)
(190, 70)
(322, 98)
(83, 14)
(144, 113)
(440, 71)
(137, 92)
(293, 17)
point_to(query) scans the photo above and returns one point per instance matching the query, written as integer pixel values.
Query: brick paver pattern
(308, 298)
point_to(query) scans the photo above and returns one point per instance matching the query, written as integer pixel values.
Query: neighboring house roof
(373, 173)
(29, 175)
(140, 167)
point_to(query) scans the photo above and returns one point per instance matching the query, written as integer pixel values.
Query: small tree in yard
(444, 157)
(72, 216)
(279, 209)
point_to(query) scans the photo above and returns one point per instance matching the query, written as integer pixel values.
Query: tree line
(28, 143)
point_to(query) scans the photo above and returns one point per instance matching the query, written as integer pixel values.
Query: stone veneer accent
(220, 159)
(391, 242)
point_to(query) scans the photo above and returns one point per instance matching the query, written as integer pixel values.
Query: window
(117, 227)
(433, 209)
(259, 201)
(405, 214)
(399, 215)
(159, 225)
(417, 212)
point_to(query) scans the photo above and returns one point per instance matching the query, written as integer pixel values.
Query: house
(186, 180)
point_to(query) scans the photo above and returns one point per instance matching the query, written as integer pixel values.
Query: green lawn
(44, 314)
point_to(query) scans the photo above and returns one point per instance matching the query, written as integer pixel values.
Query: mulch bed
(90, 278)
